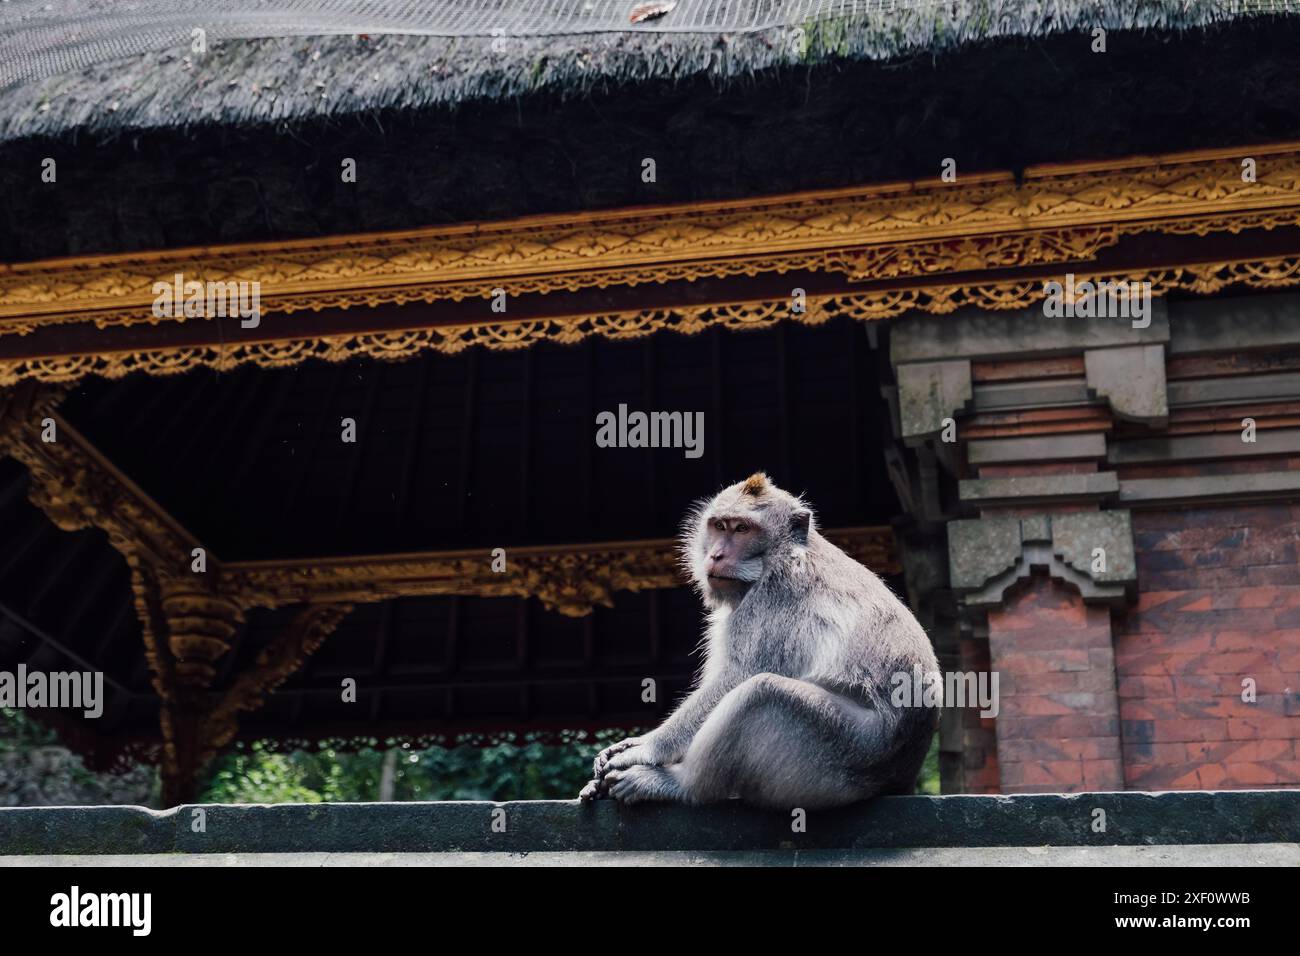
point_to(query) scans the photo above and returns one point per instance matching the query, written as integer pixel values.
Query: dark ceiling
(495, 448)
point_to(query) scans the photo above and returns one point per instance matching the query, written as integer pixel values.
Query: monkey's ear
(799, 522)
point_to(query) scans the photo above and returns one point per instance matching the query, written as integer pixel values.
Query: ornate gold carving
(574, 584)
(1014, 293)
(195, 722)
(920, 222)
(77, 488)
(200, 626)
(147, 581)
(187, 622)
(570, 579)
(27, 403)
(971, 253)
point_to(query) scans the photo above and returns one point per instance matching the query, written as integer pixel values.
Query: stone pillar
(1003, 421)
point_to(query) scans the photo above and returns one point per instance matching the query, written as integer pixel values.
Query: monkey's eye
(741, 528)
(719, 526)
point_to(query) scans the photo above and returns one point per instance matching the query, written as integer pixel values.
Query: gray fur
(792, 707)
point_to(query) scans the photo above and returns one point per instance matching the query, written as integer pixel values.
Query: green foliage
(928, 781)
(259, 777)
(469, 770)
(18, 732)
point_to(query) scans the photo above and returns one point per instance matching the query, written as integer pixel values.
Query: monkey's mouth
(727, 577)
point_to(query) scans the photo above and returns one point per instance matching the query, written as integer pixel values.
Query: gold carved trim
(935, 298)
(570, 579)
(970, 253)
(984, 220)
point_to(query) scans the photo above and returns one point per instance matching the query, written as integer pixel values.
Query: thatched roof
(69, 65)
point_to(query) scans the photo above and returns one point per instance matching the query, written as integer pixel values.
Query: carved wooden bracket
(187, 619)
(274, 665)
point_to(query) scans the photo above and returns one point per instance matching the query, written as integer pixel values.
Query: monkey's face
(731, 540)
(733, 550)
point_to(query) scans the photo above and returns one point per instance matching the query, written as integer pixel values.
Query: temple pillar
(1002, 422)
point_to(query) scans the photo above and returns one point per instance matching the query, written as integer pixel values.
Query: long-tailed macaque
(792, 706)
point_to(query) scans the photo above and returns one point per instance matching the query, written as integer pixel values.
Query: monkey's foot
(594, 790)
(601, 763)
(642, 783)
(631, 757)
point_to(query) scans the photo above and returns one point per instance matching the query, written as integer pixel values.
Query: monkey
(791, 708)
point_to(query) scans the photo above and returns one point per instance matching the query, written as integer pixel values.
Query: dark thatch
(285, 79)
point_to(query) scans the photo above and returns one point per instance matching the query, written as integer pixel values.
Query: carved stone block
(1093, 551)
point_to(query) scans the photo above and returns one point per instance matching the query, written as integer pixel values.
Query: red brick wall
(1219, 601)
(1058, 729)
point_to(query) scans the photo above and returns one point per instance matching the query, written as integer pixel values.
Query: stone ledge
(1039, 489)
(1207, 489)
(1184, 854)
(1132, 819)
